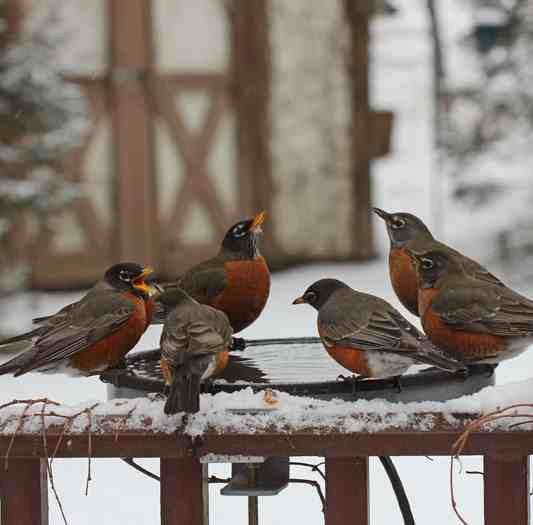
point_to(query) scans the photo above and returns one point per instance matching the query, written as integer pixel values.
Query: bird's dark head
(319, 292)
(131, 277)
(172, 297)
(433, 265)
(242, 239)
(403, 227)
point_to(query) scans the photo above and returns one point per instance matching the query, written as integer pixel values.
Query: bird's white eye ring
(124, 275)
(427, 264)
(310, 297)
(238, 231)
(397, 224)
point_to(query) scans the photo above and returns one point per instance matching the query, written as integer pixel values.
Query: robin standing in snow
(408, 232)
(475, 320)
(194, 348)
(92, 334)
(367, 335)
(236, 281)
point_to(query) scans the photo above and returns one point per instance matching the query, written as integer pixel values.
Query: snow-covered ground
(403, 181)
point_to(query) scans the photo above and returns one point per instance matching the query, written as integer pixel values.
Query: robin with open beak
(236, 281)
(407, 232)
(194, 348)
(92, 334)
(474, 320)
(367, 335)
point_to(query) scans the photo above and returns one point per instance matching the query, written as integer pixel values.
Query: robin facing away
(194, 347)
(367, 335)
(236, 281)
(92, 334)
(475, 320)
(408, 232)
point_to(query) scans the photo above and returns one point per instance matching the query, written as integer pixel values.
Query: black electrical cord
(399, 491)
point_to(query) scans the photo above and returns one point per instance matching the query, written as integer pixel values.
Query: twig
(460, 443)
(88, 411)
(49, 465)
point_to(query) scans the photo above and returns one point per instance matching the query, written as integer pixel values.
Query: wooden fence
(23, 487)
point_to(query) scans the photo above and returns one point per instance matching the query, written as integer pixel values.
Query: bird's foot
(353, 380)
(238, 344)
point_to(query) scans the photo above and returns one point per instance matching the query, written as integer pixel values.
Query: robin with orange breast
(194, 348)
(236, 281)
(474, 320)
(367, 335)
(92, 334)
(407, 232)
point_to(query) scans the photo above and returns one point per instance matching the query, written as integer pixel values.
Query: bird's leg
(397, 381)
(353, 380)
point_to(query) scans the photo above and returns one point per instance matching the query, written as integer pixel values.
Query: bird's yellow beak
(257, 221)
(299, 300)
(139, 284)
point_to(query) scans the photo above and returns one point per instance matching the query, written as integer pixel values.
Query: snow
(403, 181)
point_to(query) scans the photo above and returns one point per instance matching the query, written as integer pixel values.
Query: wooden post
(184, 499)
(361, 126)
(347, 491)
(24, 492)
(506, 490)
(133, 134)
(251, 95)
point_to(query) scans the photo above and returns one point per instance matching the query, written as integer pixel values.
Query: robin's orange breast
(351, 359)
(468, 346)
(246, 292)
(403, 278)
(222, 362)
(109, 351)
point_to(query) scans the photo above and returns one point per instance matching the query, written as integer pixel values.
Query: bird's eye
(125, 276)
(310, 297)
(239, 230)
(397, 223)
(427, 264)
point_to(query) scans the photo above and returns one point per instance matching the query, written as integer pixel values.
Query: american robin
(407, 232)
(92, 334)
(236, 281)
(194, 347)
(367, 335)
(477, 321)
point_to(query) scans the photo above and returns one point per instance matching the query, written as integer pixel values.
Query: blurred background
(142, 129)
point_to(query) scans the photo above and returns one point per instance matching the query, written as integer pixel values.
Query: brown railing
(23, 486)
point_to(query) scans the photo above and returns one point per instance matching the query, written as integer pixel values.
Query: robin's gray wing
(191, 334)
(486, 309)
(375, 325)
(202, 282)
(95, 317)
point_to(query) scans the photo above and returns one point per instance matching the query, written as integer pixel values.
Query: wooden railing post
(347, 491)
(24, 492)
(506, 488)
(184, 496)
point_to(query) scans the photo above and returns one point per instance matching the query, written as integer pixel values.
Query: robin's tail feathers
(429, 354)
(6, 344)
(184, 392)
(13, 366)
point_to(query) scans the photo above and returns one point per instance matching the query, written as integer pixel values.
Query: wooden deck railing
(23, 487)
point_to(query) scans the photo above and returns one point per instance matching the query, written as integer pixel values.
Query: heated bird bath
(299, 367)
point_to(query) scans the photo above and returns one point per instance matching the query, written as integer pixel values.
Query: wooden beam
(313, 442)
(183, 491)
(361, 125)
(251, 73)
(506, 490)
(347, 491)
(133, 135)
(24, 492)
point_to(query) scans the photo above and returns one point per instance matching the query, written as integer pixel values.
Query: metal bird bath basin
(299, 366)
